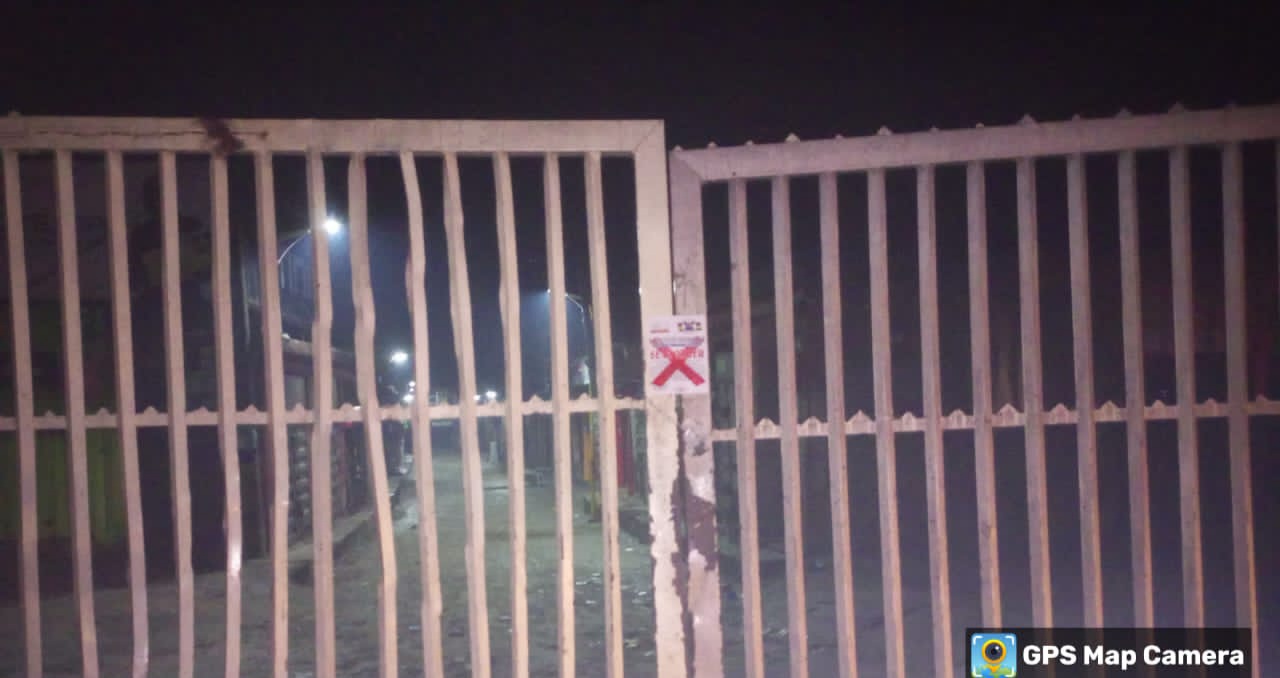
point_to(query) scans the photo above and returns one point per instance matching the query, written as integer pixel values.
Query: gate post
(653, 239)
(701, 553)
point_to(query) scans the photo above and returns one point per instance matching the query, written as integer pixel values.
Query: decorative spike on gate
(1059, 415)
(765, 428)
(792, 137)
(812, 427)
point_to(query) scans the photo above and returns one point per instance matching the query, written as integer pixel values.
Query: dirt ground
(358, 572)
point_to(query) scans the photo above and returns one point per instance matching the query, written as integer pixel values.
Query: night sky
(726, 76)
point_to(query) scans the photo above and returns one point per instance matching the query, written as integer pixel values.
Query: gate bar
(82, 541)
(423, 466)
(608, 438)
(1135, 396)
(980, 355)
(277, 443)
(837, 447)
(126, 406)
(788, 416)
(509, 272)
(935, 459)
(24, 400)
(1033, 395)
(227, 428)
(472, 478)
(366, 375)
(1246, 585)
(1082, 359)
(1185, 364)
(744, 408)
(322, 426)
(886, 450)
(179, 470)
(560, 417)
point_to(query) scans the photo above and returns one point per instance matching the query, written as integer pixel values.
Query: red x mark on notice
(677, 363)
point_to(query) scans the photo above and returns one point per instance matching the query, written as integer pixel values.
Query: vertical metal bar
(24, 400)
(560, 415)
(886, 452)
(788, 415)
(1033, 394)
(77, 447)
(1185, 365)
(179, 472)
(744, 407)
(126, 408)
(228, 441)
(603, 333)
(653, 241)
(472, 482)
(980, 349)
(509, 262)
(935, 460)
(1246, 584)
(837, 450)
(277, 441)
(1082, 352)
(366, 375)
(424, 474)
(703, 593)
(1135, 397)
(322, 426)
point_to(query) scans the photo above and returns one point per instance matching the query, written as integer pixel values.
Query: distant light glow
(408, 398)
(491, 395)
(399, 357)
(332, 226)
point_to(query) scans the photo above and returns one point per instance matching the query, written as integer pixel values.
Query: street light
(331, 226)
(399, 357)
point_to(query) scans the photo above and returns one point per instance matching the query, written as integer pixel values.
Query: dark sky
(720, 74)
(710, 74)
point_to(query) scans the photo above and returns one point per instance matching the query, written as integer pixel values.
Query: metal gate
(974, 159)
(76, 150)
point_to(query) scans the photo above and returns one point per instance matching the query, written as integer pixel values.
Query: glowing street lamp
(399, 357)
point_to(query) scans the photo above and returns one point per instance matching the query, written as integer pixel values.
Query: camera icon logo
(993, 655)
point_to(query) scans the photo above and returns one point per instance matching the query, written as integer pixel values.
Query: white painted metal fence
(923, 153)
(266, 141)
(686, 579)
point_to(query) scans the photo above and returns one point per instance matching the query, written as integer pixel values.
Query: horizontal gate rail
(1028, 139)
